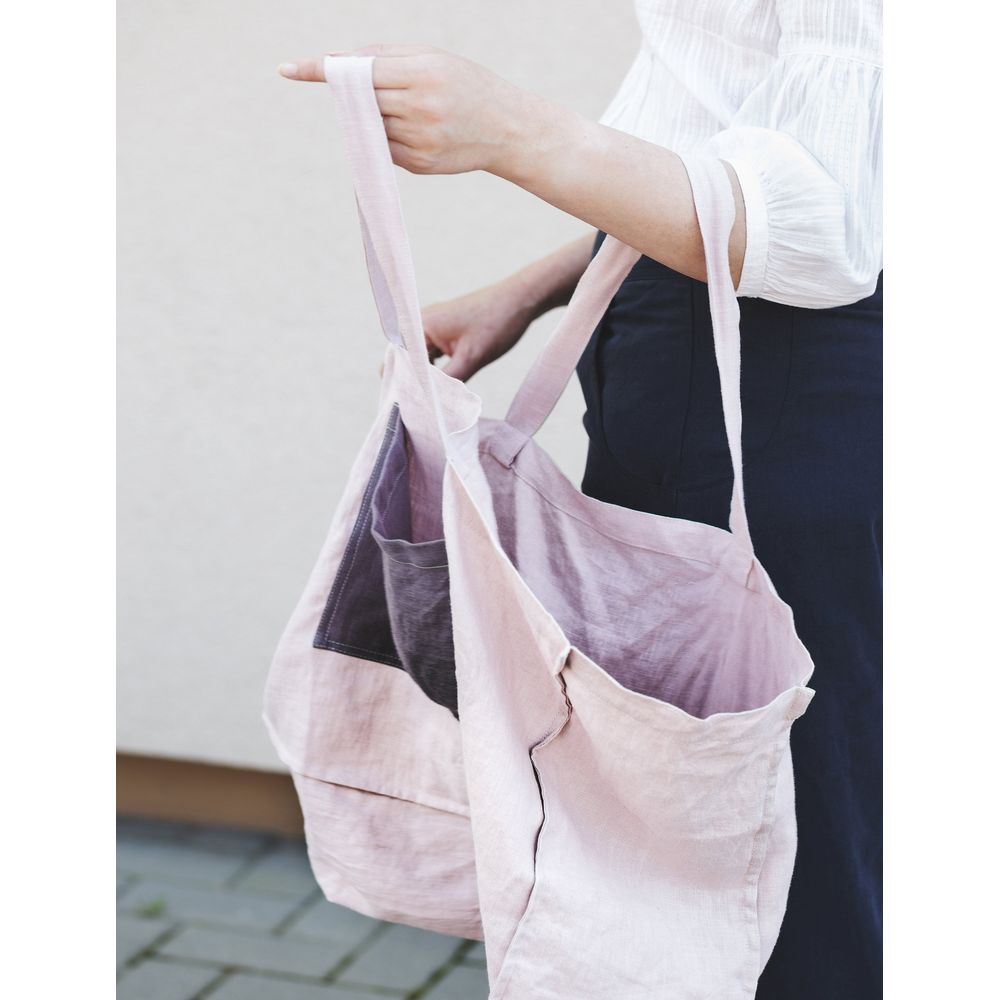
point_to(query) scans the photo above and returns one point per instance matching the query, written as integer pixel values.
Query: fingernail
(289, 69)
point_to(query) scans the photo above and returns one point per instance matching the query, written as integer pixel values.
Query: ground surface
(210, 912)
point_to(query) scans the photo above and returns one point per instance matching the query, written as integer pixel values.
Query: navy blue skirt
(812, 442)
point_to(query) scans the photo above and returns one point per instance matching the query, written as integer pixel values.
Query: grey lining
(389, 602)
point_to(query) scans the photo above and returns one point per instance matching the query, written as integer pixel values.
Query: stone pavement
(212, 912)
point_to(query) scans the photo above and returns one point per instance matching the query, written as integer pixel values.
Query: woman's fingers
(310, 70)
(399, 130)
(388, 72)
(393, 103)
(462, 366)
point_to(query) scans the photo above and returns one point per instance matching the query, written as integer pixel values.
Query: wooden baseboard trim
(189, 791)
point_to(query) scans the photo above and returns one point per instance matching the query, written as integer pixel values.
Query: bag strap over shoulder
(713, 200)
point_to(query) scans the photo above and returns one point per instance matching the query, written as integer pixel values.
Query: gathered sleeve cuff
(807, 150)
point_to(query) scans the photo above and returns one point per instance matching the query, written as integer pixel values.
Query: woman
(787, 93)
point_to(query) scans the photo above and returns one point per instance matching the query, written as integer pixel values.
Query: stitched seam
(360, 527)
(740, 581)
(614, 538)
(438, 803)
(663, 706)
(506, 972)
(755, 866)
(335, 646)
(403, 562)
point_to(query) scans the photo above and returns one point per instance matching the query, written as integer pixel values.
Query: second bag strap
(552, 370)
(713, 201)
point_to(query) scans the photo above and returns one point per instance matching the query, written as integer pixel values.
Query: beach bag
(518, 713)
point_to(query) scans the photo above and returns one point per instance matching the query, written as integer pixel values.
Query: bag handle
(716, 210)
(387, 247)
(390, 268)
(552, 370)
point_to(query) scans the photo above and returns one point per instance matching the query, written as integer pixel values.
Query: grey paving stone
(231, 839)
(284, 869)
(154, 980)
(253, 951)
(177, 861)
(325, 921)
(139, 828)
(462, 983)
(401, 959)
(247, 987)
(136, 934)
(476, 955)
(216, 905)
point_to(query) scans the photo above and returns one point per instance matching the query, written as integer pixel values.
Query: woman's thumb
(461, 366)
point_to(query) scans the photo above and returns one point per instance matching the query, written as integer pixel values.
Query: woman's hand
(477, 328)
(443, 114)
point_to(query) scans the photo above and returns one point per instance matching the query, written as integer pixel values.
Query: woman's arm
(635, 190)
(481, 326)
(549, 282)
(445, 114)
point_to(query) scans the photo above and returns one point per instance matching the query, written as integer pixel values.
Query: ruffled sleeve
(807, 148)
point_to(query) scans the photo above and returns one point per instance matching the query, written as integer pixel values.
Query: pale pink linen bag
(616, 803)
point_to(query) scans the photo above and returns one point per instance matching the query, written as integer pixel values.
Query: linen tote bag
(507, 702)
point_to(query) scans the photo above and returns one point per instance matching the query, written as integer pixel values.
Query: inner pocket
(389, 602)
(416, 584)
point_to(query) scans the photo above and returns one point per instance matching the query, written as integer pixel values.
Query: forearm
(549, 282)
(444, 114)
(634, 190)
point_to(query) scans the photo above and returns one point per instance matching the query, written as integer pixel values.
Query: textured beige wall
(248, 342)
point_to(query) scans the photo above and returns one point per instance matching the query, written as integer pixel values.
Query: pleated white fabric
(790, 93)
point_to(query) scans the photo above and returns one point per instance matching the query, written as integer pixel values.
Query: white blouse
(789, 92)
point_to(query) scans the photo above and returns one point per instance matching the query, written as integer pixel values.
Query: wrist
(536, 133)
(549, 282)
(527, 295)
